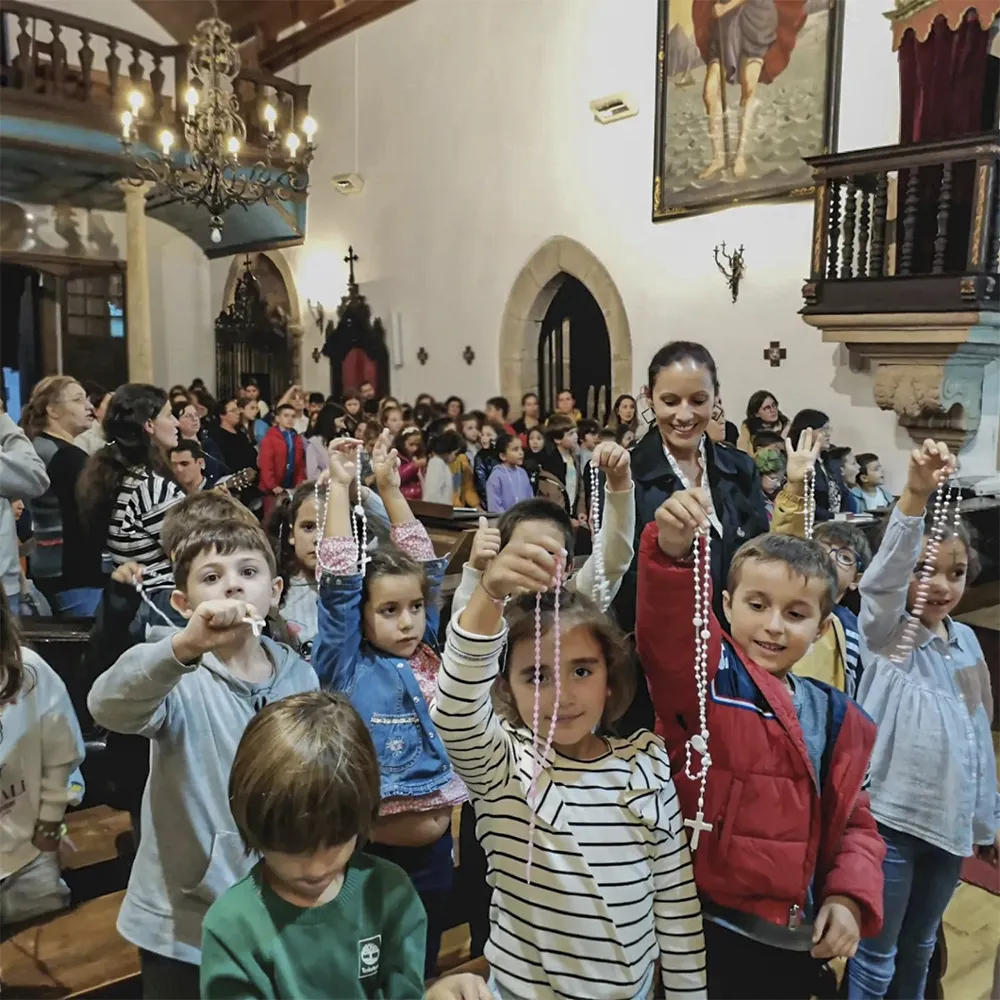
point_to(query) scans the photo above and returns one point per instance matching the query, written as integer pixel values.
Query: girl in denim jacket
(377, 643)
(933, 781)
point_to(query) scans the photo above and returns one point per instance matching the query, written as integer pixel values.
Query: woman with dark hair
(531, 416)
(127, 488)
(678, 454)
(191, 428)
(828, 486)
(763, 414)
(454, 407)
(624, 414)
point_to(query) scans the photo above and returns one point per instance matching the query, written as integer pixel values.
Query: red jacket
(772, 833)
(273, 460)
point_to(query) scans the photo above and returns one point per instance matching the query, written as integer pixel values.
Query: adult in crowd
(251, 389)
(325, 429)
(624, 414)
(367, 391)
(92, 439)
(191, 428)
(763, 414)
(282, 459)
(566, 405)
(127, 488)
(250, 422)
(22, 477)
(454, 407)
(678, 454)
(238, 453)
(66, 559)
(531, 416)
(498, 412)
(187, 461)
(827, 484)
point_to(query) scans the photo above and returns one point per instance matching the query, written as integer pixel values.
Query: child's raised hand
(385, 463)
(462, 986)
(679, 518)
(527, 565)
(930, 466)
(129, 573)
(485, 546)
(803, 457)
(343, 458)
(837, 929)
(213, 624)
(616, 463)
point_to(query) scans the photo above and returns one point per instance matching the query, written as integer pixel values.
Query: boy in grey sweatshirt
(192, 693)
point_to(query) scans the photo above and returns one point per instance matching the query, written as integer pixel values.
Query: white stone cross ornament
(697, 825)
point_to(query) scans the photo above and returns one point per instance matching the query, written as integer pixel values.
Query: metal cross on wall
(775, 353)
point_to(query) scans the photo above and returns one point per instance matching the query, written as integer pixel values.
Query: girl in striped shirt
(588, 862)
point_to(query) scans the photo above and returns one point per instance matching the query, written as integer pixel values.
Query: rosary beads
(539, 758)
(358, 515)
(602, 596)
(698, 743)
(945, 497)
(809, 488)
(255, 622)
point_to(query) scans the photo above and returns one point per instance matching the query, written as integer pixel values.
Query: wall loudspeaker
(614, 108)
(348, 183)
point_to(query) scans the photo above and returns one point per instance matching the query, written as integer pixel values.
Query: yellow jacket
(789, 516)
(465, 495)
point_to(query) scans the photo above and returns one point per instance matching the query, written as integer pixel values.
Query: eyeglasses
(847, 558)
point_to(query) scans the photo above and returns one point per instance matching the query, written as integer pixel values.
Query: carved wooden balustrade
(71, 69)
(904, 229)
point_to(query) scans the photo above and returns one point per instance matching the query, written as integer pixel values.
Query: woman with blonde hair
(66, 561)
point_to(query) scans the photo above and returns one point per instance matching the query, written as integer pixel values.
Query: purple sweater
(505, 487)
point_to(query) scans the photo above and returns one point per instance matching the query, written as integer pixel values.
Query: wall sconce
(318, 314)
(737, 267)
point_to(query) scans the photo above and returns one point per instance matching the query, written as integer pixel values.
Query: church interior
(439, 260)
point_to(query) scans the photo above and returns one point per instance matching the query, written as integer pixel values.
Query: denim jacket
(383, 689)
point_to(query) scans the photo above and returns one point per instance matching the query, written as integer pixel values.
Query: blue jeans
(919, 882)
(79, 602)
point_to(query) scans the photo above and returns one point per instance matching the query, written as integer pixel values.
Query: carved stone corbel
(928, 368)
(942, 401)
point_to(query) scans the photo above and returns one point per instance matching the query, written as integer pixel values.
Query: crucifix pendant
(697, 825)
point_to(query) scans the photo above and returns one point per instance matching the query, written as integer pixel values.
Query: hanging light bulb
(309, 127)
(166, 141)
(191, 99)
(126, 124)
(292, 142)
(270, 116)
(233, 145)
(135, 101)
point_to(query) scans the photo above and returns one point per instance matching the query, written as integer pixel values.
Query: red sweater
(772, 832)
(273, 461)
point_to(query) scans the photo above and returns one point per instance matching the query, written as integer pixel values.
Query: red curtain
(357, 368)
(942, 81)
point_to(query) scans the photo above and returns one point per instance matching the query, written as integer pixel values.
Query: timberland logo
(369, 953)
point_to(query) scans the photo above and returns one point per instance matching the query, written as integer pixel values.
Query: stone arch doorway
(279, 290)
(531, 295)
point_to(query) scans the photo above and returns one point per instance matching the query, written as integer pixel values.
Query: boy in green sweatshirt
(316, 916)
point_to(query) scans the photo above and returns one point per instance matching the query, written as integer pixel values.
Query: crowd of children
(815, 777)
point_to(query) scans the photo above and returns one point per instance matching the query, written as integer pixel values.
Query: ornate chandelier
(206, 170)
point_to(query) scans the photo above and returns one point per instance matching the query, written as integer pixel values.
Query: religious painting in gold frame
(745, 89)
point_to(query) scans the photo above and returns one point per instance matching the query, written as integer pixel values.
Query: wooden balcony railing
(907, 229)
(73, 69)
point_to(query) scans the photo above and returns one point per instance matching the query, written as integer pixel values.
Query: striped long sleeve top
(134, 531)
(611, 888)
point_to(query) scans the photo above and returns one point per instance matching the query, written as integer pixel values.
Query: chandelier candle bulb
(135, 101)
(309, 127)
(126, 124)
(191, 98)
(270, 116)
(233, 145)
(292, 142)
(166, 141)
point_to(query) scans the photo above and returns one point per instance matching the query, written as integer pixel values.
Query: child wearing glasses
(835, 656)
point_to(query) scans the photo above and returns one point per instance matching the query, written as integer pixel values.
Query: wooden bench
(73, 954)
(99, 834)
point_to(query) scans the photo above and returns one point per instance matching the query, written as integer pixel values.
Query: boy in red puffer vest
(789, 866)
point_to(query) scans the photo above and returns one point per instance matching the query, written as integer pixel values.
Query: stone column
(139, 330)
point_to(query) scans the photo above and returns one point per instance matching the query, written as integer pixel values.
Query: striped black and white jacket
(134, 532)
(611, 888)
